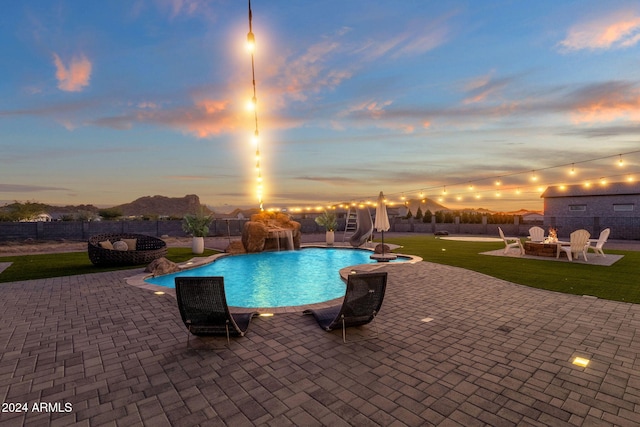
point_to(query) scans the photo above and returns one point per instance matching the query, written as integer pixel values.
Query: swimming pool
(278, 279)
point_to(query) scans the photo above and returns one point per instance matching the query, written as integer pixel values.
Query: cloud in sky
(615, 31)
(21, 188)
(75, 76)
(606, 102)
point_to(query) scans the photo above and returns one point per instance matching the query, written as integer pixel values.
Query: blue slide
(364, 228)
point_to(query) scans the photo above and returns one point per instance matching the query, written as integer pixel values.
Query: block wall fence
(621, 228)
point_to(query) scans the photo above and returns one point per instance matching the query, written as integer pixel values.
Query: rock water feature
(268, 231)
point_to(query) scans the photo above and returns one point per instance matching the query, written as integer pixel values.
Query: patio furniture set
(203, 306)
(113, 249)
(539, 245)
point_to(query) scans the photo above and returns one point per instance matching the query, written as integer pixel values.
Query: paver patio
(456, 348)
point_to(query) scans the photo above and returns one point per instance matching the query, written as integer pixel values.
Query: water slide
(364, 228)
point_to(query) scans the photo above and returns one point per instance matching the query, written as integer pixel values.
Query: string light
(253, 105)
(500, 187)
(620, 162)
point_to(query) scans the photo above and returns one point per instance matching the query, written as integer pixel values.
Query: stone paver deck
(456, 348)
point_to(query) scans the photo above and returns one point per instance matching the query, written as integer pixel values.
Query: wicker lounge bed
(109, 249)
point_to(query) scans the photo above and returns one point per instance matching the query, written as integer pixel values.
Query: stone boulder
(161, 266)
(254, 235)
(261, 234)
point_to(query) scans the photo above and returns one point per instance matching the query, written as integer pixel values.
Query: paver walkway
(457, 348)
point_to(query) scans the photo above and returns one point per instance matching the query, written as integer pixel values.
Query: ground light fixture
(580, 361)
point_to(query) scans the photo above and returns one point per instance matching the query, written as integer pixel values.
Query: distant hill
(434, 207)
(162, 206)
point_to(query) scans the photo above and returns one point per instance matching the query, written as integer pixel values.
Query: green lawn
(27, 267)
(618, 282)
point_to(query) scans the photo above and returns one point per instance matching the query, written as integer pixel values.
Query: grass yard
(28, 267)
(618, 282)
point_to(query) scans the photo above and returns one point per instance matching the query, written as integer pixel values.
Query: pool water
(278, 279)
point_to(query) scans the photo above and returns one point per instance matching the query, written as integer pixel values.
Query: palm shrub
(327, 220)
(197, 224)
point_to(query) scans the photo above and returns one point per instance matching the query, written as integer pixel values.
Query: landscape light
(579, 361)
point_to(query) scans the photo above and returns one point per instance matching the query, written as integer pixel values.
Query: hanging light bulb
(251, 44)
(534, 177)
(620, 162)
(573, 170)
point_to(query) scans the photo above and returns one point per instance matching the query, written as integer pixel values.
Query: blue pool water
(278, 279)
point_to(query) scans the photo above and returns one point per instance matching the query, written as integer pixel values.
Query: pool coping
(138, 280)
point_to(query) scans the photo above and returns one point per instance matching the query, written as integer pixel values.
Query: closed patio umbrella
(382, 219)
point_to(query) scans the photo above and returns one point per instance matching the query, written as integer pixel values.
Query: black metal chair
(203, 306)
(361, 304)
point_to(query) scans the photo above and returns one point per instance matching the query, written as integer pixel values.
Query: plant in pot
(197, 225)
(329, 222)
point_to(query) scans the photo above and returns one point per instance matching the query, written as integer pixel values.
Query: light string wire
(498, 189)
(254, 102)
(499, 177)
(521, 172)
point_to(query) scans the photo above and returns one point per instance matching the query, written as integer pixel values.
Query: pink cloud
(614, 31)
(75, 76)
(606, 103)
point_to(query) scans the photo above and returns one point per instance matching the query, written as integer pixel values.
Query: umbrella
(382, 219)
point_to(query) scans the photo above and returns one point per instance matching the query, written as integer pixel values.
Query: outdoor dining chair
(203, 307)
(578, 244)
(536, 234)
(361, 304)
(597, 245)
(511, 242)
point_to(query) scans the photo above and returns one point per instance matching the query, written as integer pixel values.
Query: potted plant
(197, 225)
(329, 222)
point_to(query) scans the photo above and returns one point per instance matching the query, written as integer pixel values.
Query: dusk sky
(104, 102)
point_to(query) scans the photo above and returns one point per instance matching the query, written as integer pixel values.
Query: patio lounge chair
(536, 234)
(204, 310)
(578, 243)
(511, 242)
(597, 245)
(361, 304)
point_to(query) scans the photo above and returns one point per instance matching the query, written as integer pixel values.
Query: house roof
(610, 189)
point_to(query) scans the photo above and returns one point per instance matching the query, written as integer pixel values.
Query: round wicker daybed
(103, 249)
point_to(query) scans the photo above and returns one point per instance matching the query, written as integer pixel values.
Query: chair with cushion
(511, 242)
(203, 307)
(361, 304)
(578, 244)
(597, 245)
(536, 234)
